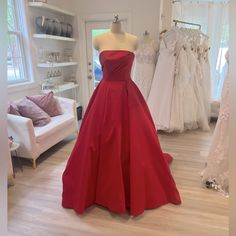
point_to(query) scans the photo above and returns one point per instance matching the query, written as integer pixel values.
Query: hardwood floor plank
(35, 200)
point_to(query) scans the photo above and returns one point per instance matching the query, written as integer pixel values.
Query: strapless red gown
(117, 161)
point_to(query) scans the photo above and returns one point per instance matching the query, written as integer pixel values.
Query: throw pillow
(48, 103)
(13, 109)
(30, 110)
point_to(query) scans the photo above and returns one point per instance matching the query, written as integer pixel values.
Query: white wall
(4, 150)
(145, 14)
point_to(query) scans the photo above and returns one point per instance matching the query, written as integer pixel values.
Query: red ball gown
(117, 161)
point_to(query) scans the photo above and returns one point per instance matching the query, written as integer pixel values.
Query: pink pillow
(30, 110)
(13, 109)
(48, 103)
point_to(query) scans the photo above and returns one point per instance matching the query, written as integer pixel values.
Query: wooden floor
(35, 200)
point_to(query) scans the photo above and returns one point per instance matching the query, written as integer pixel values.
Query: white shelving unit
(59, 91)
(56, 91)
(53, 37)
(55, 65)
(65, 89)
(48, 7)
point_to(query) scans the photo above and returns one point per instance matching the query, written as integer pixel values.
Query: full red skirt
(117, 161)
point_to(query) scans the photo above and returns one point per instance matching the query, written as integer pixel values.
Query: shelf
(61, 64)
(46, 6)
(55, 91)
(53, 37)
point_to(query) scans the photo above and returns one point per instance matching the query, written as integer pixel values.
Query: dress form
(145, 64)
(115, 39)
(148, 39)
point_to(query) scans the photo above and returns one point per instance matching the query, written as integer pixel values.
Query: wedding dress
(206, 82)
(179, 98)
(176, 115)
(216, 173)
(197, 77)
(145, 65)
(186, 105)
(160, 97)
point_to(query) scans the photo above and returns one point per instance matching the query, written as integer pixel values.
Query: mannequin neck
(116, 28)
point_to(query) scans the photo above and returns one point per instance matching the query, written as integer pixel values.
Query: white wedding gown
(179, 98)
(188, 108)
(145, 66)
(160, 97)
(206, 82)
(184, 101)
(216, 173)
(197, 77)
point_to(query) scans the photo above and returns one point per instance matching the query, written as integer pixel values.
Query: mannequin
(149, 40)
(107, 165)
(115, 39)
(146, 56)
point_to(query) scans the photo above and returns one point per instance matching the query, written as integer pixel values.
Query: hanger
(146, 33)
(163, 31)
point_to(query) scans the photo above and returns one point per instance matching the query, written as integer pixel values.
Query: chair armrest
(68, 105)
(22, 131)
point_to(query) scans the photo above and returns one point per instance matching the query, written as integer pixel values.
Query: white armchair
(36, 140)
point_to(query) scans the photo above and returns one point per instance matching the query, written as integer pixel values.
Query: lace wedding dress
(206, 82)
(216, 173)
(145, 65)
(160, 97)
(179, 98)
(197, 76)
(188, 110)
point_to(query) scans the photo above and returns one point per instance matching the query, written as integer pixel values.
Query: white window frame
(21, 33)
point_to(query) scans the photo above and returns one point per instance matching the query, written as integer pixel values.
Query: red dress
(117, 161)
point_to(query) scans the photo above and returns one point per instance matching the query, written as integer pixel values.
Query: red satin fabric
(117, 161)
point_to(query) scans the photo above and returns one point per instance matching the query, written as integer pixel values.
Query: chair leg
(34, 163)
(13, 168)
(19, 161)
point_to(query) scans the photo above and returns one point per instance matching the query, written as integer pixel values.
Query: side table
(13, 148)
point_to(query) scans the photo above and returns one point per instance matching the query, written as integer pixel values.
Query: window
(221, 65)
(16, 63)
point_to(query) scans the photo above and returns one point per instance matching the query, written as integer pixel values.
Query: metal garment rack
(187, 23)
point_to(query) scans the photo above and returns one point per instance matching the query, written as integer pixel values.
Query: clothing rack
(187, 23)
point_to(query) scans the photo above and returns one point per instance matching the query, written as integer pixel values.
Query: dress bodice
(170, 39)
(116, 64)
(146, 53)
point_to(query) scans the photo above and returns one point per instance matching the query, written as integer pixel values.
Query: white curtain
(214, 19)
